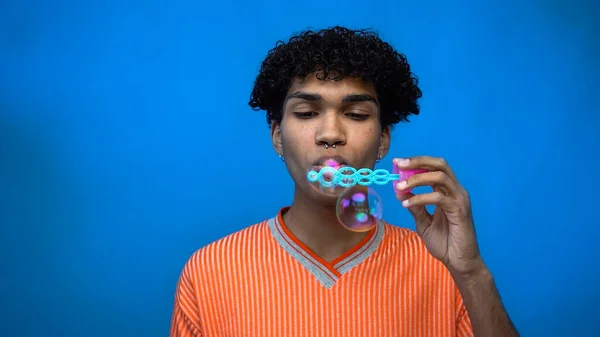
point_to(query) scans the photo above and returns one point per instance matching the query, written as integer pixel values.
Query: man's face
(318, 112)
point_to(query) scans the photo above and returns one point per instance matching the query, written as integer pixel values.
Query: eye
(305, 115)
(358, 116)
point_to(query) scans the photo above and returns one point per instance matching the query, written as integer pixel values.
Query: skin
(449, 235)
(307, 124)
(316, 112)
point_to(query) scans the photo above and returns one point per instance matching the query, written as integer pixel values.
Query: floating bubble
(359, 208)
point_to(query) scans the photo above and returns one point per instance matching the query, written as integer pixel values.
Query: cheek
(297, 136)
(293, 144)
(371, 137)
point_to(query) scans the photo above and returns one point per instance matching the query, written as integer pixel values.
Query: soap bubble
(359, 208)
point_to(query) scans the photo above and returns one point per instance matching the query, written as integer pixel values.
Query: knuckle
(463, 210)
(466, 196)
(440, 176)
(463, 205)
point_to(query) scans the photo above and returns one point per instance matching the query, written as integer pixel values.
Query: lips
(337, 167)
(336, 163)
(330, 161)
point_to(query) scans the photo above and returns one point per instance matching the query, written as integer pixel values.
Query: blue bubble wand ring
(349, 176)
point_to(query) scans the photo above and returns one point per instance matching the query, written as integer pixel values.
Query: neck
(316, 225)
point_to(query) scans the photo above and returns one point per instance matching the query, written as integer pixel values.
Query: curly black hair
(335, 53)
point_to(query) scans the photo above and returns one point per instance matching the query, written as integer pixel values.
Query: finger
(418, 212)
(436, 179)
(426, 162)
(433, 199)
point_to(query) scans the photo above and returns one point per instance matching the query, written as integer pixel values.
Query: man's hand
(448, 233)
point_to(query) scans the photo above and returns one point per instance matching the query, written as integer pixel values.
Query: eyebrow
(312, 97)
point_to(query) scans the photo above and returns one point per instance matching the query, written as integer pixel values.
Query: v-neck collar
(327, 273)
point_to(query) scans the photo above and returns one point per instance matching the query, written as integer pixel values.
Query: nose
(330, 131)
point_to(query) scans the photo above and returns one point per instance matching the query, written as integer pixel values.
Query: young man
(335, 94)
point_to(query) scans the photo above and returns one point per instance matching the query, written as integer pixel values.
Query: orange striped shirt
(262, 281)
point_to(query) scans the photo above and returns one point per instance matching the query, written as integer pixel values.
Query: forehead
(331, 90)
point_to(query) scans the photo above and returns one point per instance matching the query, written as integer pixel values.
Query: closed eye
(305, 115)
(358, 116)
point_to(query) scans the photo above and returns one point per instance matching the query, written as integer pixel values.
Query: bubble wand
(347, 176)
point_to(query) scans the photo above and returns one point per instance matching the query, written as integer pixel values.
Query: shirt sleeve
(185, 321)
(463, 321)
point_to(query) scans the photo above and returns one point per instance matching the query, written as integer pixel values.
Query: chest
(365, 301)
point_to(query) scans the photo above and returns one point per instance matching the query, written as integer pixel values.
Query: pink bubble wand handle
(403, 175)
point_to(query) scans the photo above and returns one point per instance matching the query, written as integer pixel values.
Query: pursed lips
(330, 161)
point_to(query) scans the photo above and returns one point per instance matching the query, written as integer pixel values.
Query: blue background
(126, 143)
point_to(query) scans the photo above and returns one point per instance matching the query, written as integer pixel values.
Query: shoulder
(409, 245)
(409, 253)
(402, 235)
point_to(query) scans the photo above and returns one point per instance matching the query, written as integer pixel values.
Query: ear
(384, 145)
(276, 137)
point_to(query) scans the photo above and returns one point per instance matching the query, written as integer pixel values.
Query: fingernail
(405, 203)
(402, 162)
(401, 184)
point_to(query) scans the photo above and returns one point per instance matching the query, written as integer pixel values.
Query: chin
(325, 198)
